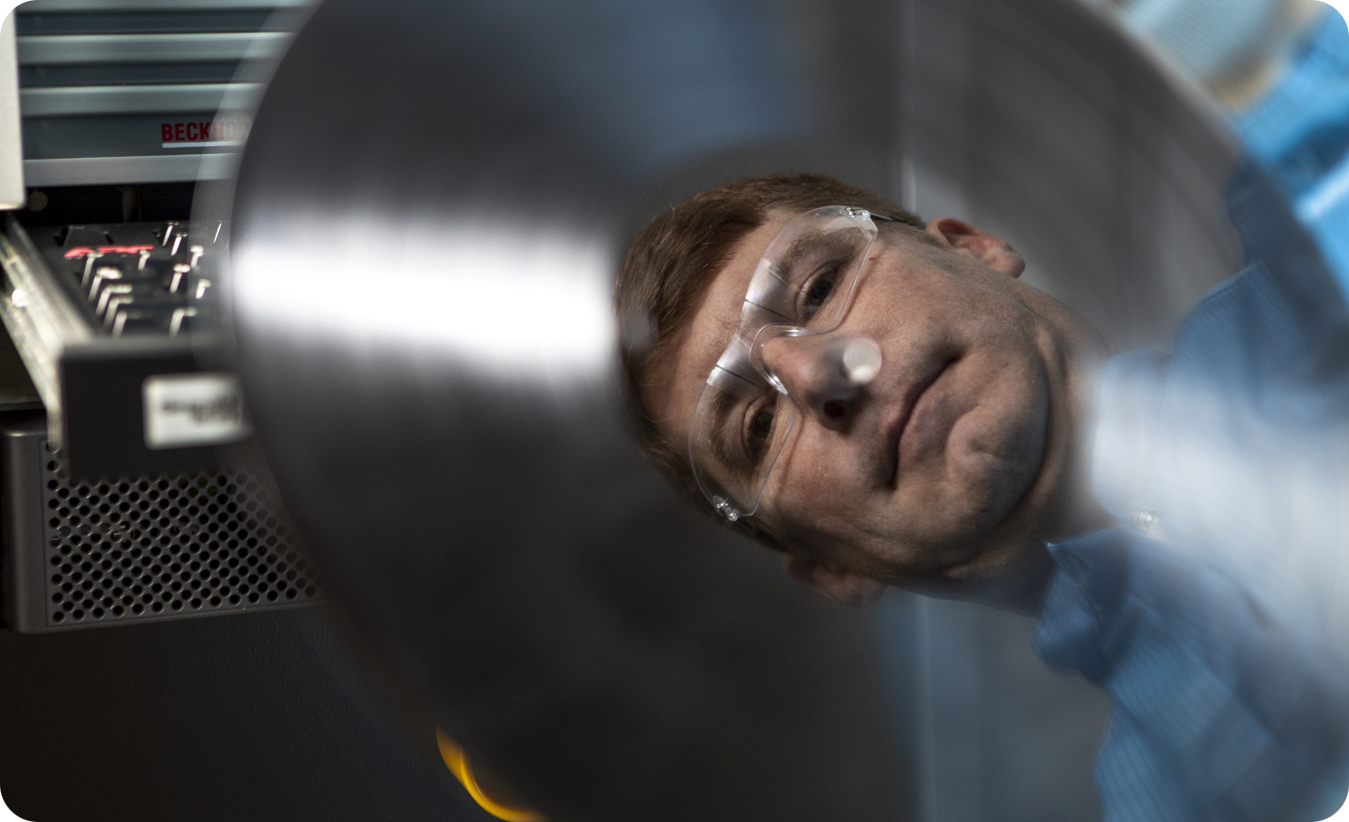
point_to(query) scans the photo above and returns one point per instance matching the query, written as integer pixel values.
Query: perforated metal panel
(153, 547)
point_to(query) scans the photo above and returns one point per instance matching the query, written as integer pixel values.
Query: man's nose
(824, 374)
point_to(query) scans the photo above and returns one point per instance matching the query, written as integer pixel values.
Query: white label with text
(183, 410)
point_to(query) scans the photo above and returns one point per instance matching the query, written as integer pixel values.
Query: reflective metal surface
(428, 217)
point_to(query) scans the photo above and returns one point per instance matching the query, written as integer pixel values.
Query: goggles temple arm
(905, 220)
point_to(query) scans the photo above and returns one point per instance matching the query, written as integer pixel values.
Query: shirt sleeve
(1214, 715)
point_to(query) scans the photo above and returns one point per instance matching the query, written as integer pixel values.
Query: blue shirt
(1208, 614)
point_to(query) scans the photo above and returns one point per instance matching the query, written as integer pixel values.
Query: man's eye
(759, 428)
(819, 290)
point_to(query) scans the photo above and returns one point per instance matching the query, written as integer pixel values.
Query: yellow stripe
(457, 762)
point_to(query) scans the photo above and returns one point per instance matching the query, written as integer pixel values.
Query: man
(883, 401)
(947, 467)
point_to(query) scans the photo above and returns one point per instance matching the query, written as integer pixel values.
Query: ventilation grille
(155, 547)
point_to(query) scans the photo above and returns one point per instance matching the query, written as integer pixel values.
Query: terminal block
(108, 322)
(115, 503)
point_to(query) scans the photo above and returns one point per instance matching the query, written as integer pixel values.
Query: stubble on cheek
(985, 464)
(997, 448)
(986, 454)
(811, 505)
(995, 458)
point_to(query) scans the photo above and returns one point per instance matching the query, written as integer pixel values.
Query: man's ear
(964, 238)
(844, 587)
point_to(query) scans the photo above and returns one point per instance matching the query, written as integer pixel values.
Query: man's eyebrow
(809, 243)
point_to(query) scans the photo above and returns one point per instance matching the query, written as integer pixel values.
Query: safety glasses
(745, 417)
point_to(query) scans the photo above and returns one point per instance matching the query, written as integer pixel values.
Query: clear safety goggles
(803, 285)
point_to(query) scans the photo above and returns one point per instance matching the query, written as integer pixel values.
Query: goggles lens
(803, 285)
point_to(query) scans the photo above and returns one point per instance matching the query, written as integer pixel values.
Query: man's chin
(992, 507)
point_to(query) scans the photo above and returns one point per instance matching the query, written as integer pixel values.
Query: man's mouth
(894, 440)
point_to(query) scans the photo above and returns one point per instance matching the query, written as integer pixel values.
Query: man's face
(956, 455)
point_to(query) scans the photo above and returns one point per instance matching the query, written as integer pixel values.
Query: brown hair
(674, 259)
